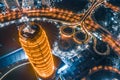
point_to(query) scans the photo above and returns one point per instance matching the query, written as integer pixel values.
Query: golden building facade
(37, 48)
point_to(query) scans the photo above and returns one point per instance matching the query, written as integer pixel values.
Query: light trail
(95, 3)
(98, 68)
(13, 69)
(109, 68)
(66, 18)
(114, 8)
(107, 52)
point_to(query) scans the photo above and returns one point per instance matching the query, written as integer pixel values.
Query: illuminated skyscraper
(35, 44)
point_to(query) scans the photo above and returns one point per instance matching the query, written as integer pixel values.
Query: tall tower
(35, 44)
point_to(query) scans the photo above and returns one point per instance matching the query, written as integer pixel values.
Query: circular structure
(67, 31)
(101, 48)
(80, 37)
(21, 73)
(30, 31)
(104, 75)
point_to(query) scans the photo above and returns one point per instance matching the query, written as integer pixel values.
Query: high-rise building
(35, 43)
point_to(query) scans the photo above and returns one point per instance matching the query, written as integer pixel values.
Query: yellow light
(78, 40)
(38, 52)
(67, 31)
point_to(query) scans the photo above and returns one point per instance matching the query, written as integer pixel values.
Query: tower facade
(36, 46)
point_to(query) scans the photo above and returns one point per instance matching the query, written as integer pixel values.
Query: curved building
(35, 44)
